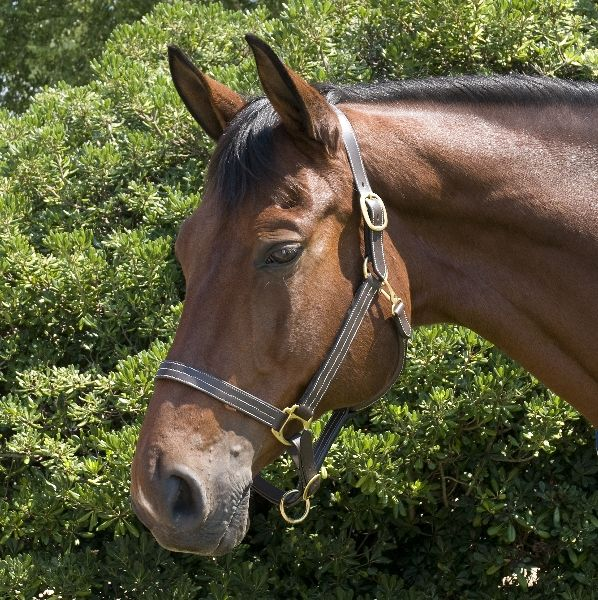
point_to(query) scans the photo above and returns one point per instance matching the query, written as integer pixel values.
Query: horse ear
(305, 113)
(212, 104)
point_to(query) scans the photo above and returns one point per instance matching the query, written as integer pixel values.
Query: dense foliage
(44, 41)
(469, 476)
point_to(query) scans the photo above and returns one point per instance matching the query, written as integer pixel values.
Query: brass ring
(286, 517)
(366, 271)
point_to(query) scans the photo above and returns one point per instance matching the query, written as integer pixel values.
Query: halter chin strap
(309, 457)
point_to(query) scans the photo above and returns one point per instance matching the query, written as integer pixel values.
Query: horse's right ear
(304, 112)
(212, 104)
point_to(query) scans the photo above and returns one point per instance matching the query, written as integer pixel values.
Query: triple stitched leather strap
(225, 392)
(372, 207)
(319, 384)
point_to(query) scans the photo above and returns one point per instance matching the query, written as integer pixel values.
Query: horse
(490, 210)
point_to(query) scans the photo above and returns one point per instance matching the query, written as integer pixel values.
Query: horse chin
(235, 530)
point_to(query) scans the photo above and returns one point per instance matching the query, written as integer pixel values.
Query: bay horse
(490, 187)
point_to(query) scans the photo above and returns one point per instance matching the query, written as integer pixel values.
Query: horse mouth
(237, 526)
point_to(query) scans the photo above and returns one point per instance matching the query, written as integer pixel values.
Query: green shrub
(44, 42)
(468, 473)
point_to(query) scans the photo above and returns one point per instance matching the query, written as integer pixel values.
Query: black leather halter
(307, 456)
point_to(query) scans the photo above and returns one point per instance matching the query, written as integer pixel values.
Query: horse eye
(283, 254)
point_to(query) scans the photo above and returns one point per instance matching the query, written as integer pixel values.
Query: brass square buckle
(291, 416)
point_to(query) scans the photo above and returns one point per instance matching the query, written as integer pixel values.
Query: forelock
(244, 154)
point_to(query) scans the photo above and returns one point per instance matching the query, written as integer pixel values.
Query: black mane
(245, 153)
(496, 89)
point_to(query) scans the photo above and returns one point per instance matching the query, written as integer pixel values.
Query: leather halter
(307, 456)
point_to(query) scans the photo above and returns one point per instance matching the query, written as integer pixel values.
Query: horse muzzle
(186, 514)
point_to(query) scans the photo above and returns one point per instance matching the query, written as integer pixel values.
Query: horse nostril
(184, 497)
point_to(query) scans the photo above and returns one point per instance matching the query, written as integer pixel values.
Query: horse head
(272, 259)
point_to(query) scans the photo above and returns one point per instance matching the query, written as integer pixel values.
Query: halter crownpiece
(307, 456)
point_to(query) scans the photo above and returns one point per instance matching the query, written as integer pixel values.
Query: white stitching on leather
(376, 239)
(329, 432)
(375, 245)
(233, 389)
(323, 369)
(218, 395)
(211, 385)
(200, 385)
(340, 354)
(326, 435)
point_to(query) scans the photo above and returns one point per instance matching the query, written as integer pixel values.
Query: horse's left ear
(212, 104)
(304, 112)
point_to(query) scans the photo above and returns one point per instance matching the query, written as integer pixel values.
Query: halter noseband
(309, 457)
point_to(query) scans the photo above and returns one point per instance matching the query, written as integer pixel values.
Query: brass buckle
(366, 214)
(291, 416)
(306, 499)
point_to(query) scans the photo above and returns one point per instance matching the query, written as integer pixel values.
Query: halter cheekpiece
(307, 455)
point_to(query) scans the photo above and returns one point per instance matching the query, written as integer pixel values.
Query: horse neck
(494, 213)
